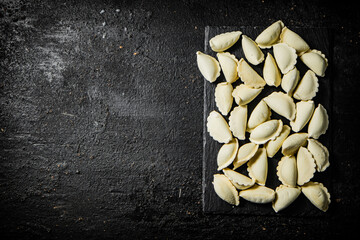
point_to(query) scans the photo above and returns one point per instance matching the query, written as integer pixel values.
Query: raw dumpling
(320, 154)
(271, 72)
(273, 146)
(223, 41)
(227, 154)
(266, 131)
(252, 51)
(270, 35)
(237, 121)
(284, 196)
(290, 80)
(243, 94)
(218, 128)
(293, 40)
(304, 111)
(316, 61)
(223, 97)
(317, 194)
(305, 166)
(285, 57)
(245, 153)
(225, 189)
(249, 76)
(257, 166)
(260, 114)
(287, 171)
(239, 180)
(208, 66)
(293, 142)
(282, 104)
(319, 122)
(307, 87)
(228, 64)
(258, 194)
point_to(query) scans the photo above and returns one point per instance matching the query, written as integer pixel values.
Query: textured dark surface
(102, 119)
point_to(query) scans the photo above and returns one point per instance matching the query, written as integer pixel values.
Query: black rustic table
(101, 119)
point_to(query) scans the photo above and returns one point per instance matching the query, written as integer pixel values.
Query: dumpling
(245, 153)
(243, 94)
(249, 76)
(227, 154)
(208, 66)
(293, 40)
(237, 121)
(239, 180)
(228, 64)
(273, 146)
(270, 35)
(293, 142)
(307, 87)
(223, 41)
(282, 104)
(316, 61)
(225, 189)
(304, 111)
(285, 57)
(218, 128)
(305, 166)
(271, 72)
(257, 166)
(260, 114)
(223, 97)
(252, 51)
(266, 131)
(319, 122)
(317, 194)
(284, 196)
(287, 171)
(258, 194)
(290, 80)
(320, 154)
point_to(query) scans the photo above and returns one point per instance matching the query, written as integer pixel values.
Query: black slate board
(317, 38)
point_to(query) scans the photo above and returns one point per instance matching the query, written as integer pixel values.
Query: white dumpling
(293, 142)
(243, 94)
(218, 128)
(257, 166)
(284, 196)
(316, 61)
(290, 80)
(266, 131)
(273, 146)
(239, 180)
(319, 122)
(245, 153)
(227, 154)
(223, 41)
(318, 195)
(271, 72)
(293, 40)
(252, 51)
(304, 111)
(208, 66)
(270, 35)
(285, 57)
(287, 171)
(258, 194)
(237, 121)
(249, 76)
(305, 166)
(228, 64)
(260, 114)
(225, 189)
(282, 104)
(307, 87)
(223, 97)
(320, 154)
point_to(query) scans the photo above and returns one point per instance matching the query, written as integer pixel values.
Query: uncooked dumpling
(282, 104)
(316, 61)
(243, 94)
(284, 196)
(239, 180)
(225, 189)
(228, 64)
(237, 121)
(285, 57)
(271, 72)
(290, 80)
(227, 154)
(317, 194)
(223, 97)
(208, 66)
(287, 171)
(293, 40)
(257, 166)
(304, 111)
(258, 194)
(307, 87)
(249, 76)
(320, 154)
(223, 41)
(305, 166)
(273, 146)
(270, 35)
(245, 153)
(218, 128)
(293, 142)
(319, 122)
(252, 51)
(266, 131)
(260, 114)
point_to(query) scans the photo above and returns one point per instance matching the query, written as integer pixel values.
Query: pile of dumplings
(303, 154)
